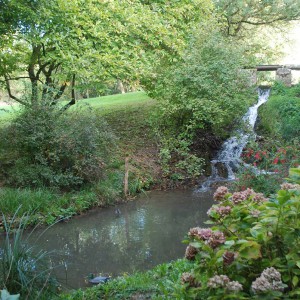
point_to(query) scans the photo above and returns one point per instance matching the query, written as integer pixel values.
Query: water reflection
(148, 231)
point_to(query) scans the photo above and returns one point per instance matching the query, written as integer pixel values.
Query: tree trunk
(120, 87)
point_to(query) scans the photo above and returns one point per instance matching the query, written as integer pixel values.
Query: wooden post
(126, 177)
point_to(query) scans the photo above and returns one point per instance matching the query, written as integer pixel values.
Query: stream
(147, 231)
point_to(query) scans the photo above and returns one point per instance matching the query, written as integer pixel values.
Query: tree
(245, 14)
(52, 45)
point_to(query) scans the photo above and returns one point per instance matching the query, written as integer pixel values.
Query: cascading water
(228, 158)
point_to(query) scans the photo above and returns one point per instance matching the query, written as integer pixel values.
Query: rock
(284, 75)
(99, 280)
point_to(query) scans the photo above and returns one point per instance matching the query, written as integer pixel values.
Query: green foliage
(246, 14)
(203, 93)
(177, 161)
(250, 237)
(280, 117)
(99, 42)
(154, 284)
(272, 160)
(110, 189)
(22, 269)
(48, 207)
(54, 149)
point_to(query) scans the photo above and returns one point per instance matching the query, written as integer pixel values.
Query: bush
(205, 92)
(252, 249)
(55, 148)
(266, 166)
(280, 117)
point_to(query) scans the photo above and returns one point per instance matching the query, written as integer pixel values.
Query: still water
(147, 231)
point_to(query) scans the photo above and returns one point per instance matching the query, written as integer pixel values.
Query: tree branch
(10, 93)
(73, 100)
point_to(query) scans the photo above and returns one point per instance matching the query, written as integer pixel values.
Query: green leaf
(196, 244)
(283, 196)
(250, 250)
(295, 280)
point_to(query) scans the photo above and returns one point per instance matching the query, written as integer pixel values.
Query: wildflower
(269, 280)
(190, 252)
(189, 279)
(275, 161)
(220, 193)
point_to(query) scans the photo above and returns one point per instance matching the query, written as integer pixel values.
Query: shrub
(204, 93)
(280, 117)
(252, 249)
(266, 165)
(55, 148)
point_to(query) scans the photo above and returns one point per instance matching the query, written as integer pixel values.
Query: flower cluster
(200, 233)
(290, 186)
(190, 252)
(188, 278)
(269, 280)
(258, 198)
(220, 193)
(255, 213)
(222, 211)
(211, 238)
(222, 281)
(239, 197)
(229, 257)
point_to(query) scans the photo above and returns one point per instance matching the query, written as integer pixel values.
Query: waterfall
(227, 161)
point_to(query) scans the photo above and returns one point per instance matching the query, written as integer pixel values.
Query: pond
(141, 234)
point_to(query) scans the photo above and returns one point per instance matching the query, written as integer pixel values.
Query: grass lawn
(117, 101)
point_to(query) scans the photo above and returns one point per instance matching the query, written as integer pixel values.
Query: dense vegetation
(250, 250)
(59, 157)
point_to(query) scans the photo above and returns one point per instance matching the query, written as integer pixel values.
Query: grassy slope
(128, 115)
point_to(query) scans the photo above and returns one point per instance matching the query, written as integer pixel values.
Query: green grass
(105, 102)
(163, 282)
(117, 101)
(44, 205)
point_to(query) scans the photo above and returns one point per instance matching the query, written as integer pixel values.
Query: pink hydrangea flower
(220, 193)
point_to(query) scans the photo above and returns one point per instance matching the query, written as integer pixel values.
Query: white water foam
(229, 155)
